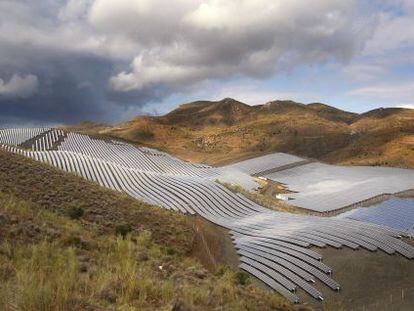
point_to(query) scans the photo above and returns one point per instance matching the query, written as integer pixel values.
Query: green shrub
(223, 269)
(144, 133)
(123, 229)
(74, 211)
(241, 278)
(170, 250)
(237, 277)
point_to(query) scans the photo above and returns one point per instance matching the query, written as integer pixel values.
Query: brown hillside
(52, 258)
(382, 113)
(332, 113)
(204, 113)
(228, 130)
(87, 127)
(381, 137)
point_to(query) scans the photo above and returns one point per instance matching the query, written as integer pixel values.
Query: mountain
(203, 113)
(332, 113)
(383, 136)
(219, 132)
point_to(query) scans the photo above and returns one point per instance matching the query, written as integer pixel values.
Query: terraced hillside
(53, 257)
(273, 246)
(226, 131)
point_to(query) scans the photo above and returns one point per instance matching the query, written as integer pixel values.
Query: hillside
(64, 233)
(59, 250)
(382, 137)
(228, 130)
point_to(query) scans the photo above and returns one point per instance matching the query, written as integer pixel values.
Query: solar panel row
(273, 246)
(396, 213)
(322, 187)
(265, 163)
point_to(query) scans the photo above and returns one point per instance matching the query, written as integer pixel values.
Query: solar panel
(273, 246)
(322, 187)
(265, 163)
(397, 213)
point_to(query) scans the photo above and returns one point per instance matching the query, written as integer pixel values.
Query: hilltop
(219, 132)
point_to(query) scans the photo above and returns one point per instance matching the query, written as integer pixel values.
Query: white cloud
(406, 106)
(19, 86)
(73, 10)
(363, 71)
(394, 30)
(394, 93)
(179, 45)
(193, 41)
(254, 95)
(46, 26)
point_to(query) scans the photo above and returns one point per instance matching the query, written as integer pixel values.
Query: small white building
(282, 197)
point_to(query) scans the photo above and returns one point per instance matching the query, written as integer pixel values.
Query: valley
(233, 224)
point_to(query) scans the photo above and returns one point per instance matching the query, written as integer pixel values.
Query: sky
(62, 62)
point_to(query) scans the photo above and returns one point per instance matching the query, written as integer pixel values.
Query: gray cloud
(220, 39)
(19, 86)
(65, 61)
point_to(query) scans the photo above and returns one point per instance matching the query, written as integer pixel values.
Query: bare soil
(370, 281)
(212, 245)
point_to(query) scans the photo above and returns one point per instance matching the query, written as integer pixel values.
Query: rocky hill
(218, 132)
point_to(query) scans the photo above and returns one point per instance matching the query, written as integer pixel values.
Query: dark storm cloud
(71, 88)
(65, 61)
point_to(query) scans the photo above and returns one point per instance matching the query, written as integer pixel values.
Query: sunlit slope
(382, 137)
(57, 260)
(218, 132)
(225, 131)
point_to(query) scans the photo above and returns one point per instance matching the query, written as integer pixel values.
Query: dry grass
(57, 191)
(59, 272)
(221, 133)
(46, 277)
(263, 200)
(51, 261)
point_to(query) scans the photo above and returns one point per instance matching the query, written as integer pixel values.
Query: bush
(223, 269)
(144, 133)
(123, 229)
(237, 277)
(241, 278)
(74, 211)
(170, 250)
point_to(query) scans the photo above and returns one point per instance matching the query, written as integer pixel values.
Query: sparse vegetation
(123, 230)
(74, 211)
(56, 191)
(49, 261)
(52, 274)
(261, 199)
(144, 133)
(226, 131)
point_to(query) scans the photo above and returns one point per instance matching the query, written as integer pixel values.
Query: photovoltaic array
(273, 246)
(322, 187)
(395, 213)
